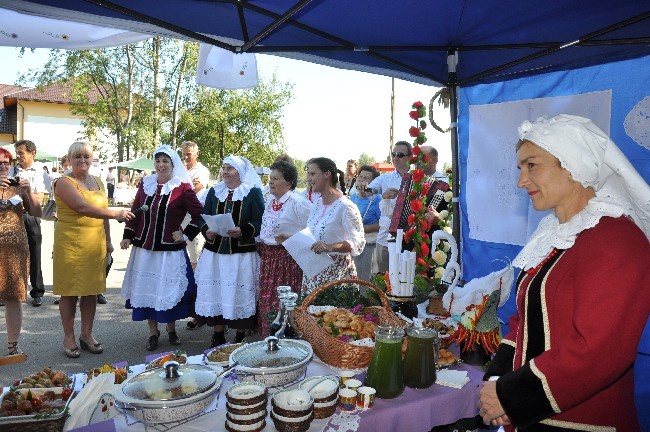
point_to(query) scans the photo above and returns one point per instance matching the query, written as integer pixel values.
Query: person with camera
(16, 197)
(368, 204)
(32, 171)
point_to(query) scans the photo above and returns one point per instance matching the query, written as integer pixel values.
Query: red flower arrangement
(418, 224)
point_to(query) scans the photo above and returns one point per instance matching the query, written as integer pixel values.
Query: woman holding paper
(159, 283)
(562, 366)
(227, 274)
(286, 213)
(336, 224)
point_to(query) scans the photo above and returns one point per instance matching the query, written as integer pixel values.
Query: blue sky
(334, 113)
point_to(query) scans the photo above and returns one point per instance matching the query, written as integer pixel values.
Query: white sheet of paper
(299, 247)
(219, 223)
(287, 228)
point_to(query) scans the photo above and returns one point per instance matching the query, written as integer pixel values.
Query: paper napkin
(452, 378)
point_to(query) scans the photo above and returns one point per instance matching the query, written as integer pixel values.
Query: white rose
(440, 257)
(446, 246)
(448, 196)
(447, 229)
(439, 272)
(444, 214)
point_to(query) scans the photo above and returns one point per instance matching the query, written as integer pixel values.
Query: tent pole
(452, 61)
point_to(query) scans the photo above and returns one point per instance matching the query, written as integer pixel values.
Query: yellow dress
(80, 247)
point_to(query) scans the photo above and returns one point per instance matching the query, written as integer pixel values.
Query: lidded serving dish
(172, 393)
(272, 361)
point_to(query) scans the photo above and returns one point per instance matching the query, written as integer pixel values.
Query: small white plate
(229, 349)
(154, 363)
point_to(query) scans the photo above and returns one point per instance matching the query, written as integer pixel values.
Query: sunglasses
(399, 155)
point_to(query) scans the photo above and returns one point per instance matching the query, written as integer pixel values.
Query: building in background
(42, 116)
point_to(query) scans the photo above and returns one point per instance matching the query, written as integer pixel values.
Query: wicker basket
(35, 422)
(331, 350)
(41, 425)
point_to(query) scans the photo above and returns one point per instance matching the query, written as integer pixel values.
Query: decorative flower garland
(443, 96)
(418, 223)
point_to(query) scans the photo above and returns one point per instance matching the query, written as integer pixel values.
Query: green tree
(366, 159)
(301, 166)
(104, 92)
(128, 96)
(240, 122)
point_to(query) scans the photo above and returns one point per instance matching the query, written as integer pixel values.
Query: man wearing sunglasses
(388, 185)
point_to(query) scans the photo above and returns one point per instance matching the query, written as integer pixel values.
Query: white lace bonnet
(249, 179)
(595, 161)
(179, 173)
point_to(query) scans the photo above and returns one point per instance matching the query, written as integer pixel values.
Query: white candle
(398, 240)
(393, 267)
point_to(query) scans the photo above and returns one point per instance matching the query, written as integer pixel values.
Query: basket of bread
(332, 332)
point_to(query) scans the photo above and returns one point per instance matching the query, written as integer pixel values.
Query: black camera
(14, 181)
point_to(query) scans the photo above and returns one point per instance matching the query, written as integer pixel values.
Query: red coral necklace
(277, 206)
(534, 270)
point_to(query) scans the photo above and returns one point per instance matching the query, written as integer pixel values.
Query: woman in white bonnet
(159, 282)
(227, 273)
(582, 298)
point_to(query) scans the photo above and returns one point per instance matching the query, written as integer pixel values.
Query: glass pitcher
(385, 372)
(420, 358)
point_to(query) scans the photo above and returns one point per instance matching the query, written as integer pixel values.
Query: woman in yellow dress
(82, 239)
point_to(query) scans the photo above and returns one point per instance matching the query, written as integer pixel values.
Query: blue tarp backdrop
(628, 81)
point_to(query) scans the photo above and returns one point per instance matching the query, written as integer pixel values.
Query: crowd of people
(179, 268)
(548, 372)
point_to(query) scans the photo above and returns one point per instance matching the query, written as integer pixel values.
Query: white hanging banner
(222, 69)
(29, 31)
(498, 211)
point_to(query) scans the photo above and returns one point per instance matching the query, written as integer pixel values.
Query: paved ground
(123, 339)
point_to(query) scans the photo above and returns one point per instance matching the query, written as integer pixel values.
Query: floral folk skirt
(276, 268)
(342, 268)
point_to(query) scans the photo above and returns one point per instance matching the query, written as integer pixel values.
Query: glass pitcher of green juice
(385, 372)
(420, 358)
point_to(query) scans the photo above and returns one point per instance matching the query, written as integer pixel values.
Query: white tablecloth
(213, 419)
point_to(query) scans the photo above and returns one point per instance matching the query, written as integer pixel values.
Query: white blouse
(290, 219)
(337, 222)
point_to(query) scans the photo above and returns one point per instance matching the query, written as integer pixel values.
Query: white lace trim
(551, 234)
(162, 291)
(211, 303)
(344, 421)
(150, 184)
(239, 193)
